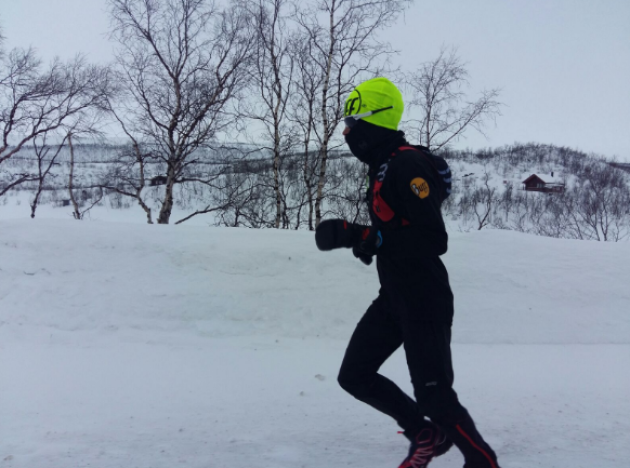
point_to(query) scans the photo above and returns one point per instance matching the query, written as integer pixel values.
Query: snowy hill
(591, 202)
(160, 346)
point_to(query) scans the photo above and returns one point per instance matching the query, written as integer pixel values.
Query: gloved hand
(337, 233)
(365, 247)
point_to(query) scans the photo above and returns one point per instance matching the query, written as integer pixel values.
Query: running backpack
(438, 164)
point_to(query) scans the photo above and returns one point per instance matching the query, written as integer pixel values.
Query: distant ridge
(622, 166)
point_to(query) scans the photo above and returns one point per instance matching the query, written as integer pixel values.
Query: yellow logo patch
(420, 187)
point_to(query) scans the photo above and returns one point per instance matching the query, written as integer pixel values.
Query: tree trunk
(325, 124)
(323, 159)
(309, 186)
(140, 160)
(77, 212)
(276, 177)
(167, 205)
(38, 193)
(146, 209)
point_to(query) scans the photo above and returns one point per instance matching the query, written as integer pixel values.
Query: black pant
(381, 331)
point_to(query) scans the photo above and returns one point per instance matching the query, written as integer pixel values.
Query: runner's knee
(353, 384)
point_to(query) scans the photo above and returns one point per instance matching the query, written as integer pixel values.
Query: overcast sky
(563, 65)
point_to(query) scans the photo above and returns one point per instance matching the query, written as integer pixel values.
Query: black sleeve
(415, 193)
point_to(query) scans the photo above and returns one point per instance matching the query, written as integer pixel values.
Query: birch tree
(183, 62)
(46, 156)
(303, 113)
(445, 112)
(127, 175)
(36, 100)
(344, 48)
(272, 78)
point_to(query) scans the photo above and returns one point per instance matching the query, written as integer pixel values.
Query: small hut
(547, 183)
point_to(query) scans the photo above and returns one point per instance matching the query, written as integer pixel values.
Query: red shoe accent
(424, 451)
(485, 454)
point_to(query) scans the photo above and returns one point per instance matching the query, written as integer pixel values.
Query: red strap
(382, 209)
(405, 148)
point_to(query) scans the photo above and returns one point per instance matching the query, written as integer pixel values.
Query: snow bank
(118, 279)
(127, 345)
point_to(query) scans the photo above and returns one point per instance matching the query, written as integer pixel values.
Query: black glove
(337, 233)
(365, 247)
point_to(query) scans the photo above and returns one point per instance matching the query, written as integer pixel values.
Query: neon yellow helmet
(377, 101)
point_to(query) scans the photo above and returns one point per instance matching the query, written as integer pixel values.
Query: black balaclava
(367, 141)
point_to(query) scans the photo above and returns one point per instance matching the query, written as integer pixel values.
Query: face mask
(359, 143)
(364, 139)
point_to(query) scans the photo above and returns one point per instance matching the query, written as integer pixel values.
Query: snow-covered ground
(128, 345)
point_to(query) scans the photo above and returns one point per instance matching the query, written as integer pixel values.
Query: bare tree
(483, 201)
(303, 112)
(347, 200)
(602, 202)
(272, 76)
(183, 61)
(343, 48)
(46, 158)
(243, 200)
(128, 174)
(35, 102)
(445, 114)
(479, 204)
(230, 191)
(78, 212)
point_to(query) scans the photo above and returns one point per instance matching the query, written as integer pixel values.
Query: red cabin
(544, 183)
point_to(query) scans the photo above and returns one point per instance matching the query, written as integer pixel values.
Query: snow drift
(158, 346)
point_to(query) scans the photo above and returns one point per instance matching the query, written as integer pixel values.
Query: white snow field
(136, 346)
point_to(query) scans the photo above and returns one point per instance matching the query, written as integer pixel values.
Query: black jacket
(405, 194)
